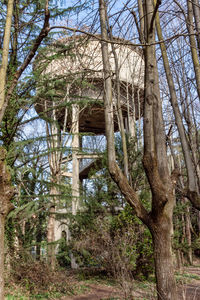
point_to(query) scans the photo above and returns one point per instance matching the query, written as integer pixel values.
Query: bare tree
(192, 187)
(159, 220)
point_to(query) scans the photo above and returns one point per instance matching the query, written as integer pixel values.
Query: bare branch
(158, 3)
(121, 41)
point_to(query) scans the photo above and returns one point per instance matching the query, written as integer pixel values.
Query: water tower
(74, 74)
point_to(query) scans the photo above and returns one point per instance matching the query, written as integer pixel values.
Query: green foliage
(63, 254)
(108, 234)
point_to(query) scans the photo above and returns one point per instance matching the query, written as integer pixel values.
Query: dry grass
(36, 278)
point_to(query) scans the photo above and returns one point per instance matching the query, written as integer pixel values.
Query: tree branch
(4, 63)
(158, 3)
(43, 33)
(120, 41)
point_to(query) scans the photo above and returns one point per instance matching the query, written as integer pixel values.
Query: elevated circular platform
(73, 73)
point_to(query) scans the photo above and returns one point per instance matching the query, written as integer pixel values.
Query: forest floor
(188, 288)
(34, 281)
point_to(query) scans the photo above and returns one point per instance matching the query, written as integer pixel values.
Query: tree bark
(4, 63)
(2, 226)
(6, 193)
(156, 166)
(75, 159)
(196, 12)
(165, 280)
(188, 234)
(193, 47)
(119, 109)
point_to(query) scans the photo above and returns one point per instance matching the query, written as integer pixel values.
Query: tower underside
(91, 107)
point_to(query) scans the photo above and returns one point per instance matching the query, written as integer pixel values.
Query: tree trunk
(193, 47)
(196, 12)
(179, 259)
(75, 159)
(156, 165)
(164, 269)
(2, 224)
(75, 169)
(198, 221)
(4, 63)
(38, 242)
(188, 235)
(38, 252)
(51, 238)
(6, 193)
(54, 158)
(119, 108)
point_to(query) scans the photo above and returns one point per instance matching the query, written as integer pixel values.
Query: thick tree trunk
(164, 269)
(156, 166)
(2, 224)
(6, 190)
(6, 193)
